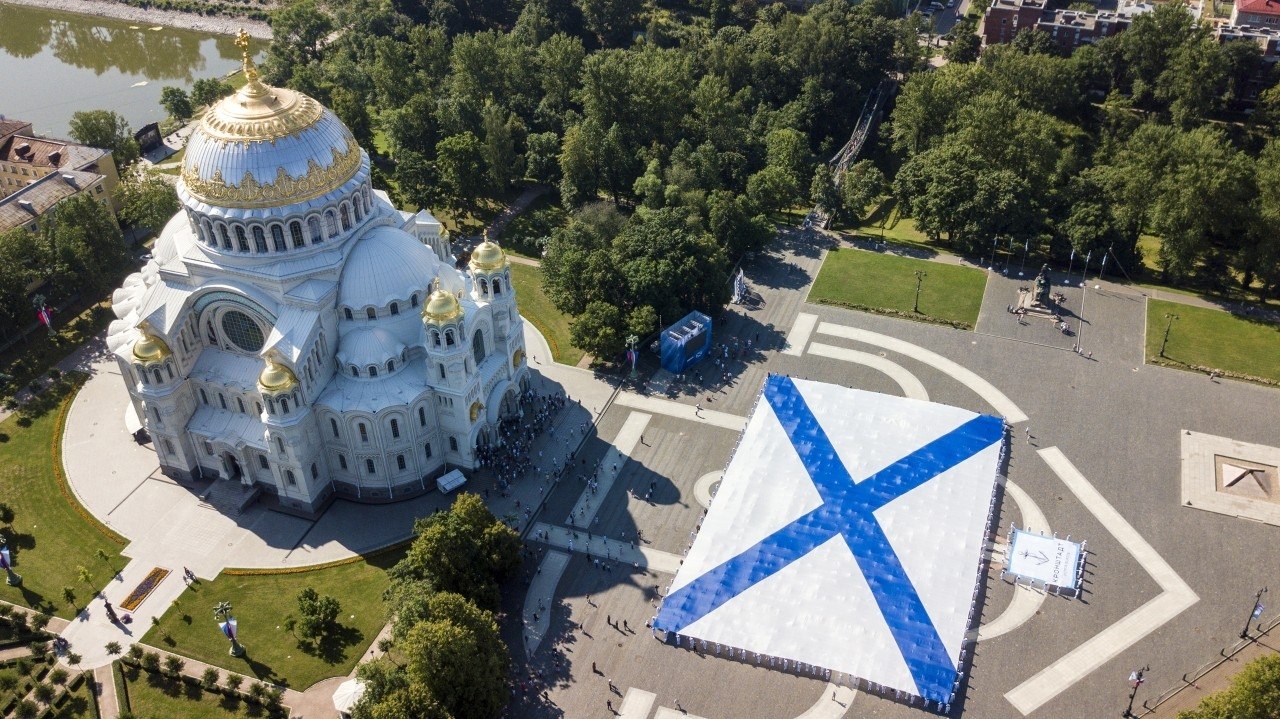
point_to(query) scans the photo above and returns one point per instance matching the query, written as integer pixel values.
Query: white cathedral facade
(297, 333)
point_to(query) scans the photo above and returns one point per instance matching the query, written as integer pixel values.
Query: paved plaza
(1096, 452)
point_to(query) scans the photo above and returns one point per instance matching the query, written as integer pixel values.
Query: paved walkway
(108, 701)
(512, 211)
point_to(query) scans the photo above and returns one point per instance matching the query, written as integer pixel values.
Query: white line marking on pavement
(636, 704)
(1026, 601)
(600, 546)
(798, 337)
(911, 386)
(965, 376)
(542, 587)
(1110, 642)
(831, 705)
(610, 467)
(681, 411)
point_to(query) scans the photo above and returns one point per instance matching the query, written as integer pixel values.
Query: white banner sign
(1049, 560)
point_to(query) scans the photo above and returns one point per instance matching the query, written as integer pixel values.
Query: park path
(108, 701)
(494, 230)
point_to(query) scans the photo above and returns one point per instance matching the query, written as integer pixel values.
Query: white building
(297, 333)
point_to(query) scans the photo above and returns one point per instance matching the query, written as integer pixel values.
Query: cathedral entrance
(510, 407)
(233, 466)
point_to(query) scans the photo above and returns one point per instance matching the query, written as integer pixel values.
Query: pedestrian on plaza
(697, 410)
(609, 703)
(1027, 429)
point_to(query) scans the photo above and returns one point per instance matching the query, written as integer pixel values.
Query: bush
(59, 676)
(135, 652)
(173, 665)
(8, 682)
(27, 709)
(234, 681)
(44, 693)
(151, 661)
(209, 679)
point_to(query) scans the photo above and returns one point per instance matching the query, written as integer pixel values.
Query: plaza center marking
(911, 386)
(798, 337)
(610, 467)
(681, 411)
(1115, 639)
(636, 704)
(605, 548)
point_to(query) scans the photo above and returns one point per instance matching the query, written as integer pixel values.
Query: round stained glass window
(242, 331)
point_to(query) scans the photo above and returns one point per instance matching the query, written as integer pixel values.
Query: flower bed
(144, 589)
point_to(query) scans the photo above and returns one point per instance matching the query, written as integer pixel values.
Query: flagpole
(1071, 262)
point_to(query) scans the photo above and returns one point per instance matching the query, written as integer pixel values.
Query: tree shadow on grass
(332, 647)
(231, 703)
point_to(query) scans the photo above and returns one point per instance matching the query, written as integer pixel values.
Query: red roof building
(1256, 13)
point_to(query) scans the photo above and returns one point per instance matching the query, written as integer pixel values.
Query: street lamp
(1171, 317)
(920, 275)
(228, 626)
(6, 561)
(1136, 678)
(632, 341)
(1254, 613)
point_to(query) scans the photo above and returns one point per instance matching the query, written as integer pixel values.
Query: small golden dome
(488, 256)
(442, 306)
(276, 377)
(150, 348)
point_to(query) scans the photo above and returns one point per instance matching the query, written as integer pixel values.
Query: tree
(966, 43)
(579, 164)
(737, 224)
(456, 654)
(175, 101)
(464, 550)
(210, 678)
(234, 681)
(319, 613)
(503, 131)
(298, 31)
(1254, 694)
(599, 330)
(22, 255)
(460, 162)
(107, 130)
(773, 188)
(823, 192)
(113, 648)
(26, 709)
(1261, 256)
(43, 693)
(173, 665)
(85, 245)
(542, 157)
(147, 201)
(861, 184)
(610, 20)
(207, 91)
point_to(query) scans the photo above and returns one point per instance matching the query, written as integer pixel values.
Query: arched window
(241, 240)
(159, 377)
(240, 404)
(313, 227)
(359, 210)
(284, 405)
(355, 371)
(315, 473)
(368, 465)
(422, 417)
(370, 313)
(413, 300)
(395, 429)
(142, 375)
(427, 448)
(442, 374)
(206, 232)
(346, 311)
(271, 406)
(260, 239)
(484, 286)
(346, 218)
(169, 370)
(395, 308)
(497, 286)
(448, 338)
(222, 232)
(288, 477)
(364, 432)
(333, 424)
(477, 347)
(330, 223)
(222, 400)
(373, 370)
(435, 337)
(391, 365)
(262, 461)
(400, 461)
(342, 461)
(295, 230)
(259, 406)
(277, 238)
(280, 444)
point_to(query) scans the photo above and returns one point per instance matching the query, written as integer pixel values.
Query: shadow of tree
(331, 648)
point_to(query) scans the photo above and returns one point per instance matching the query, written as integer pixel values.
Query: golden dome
(442, 306)
(488, 256)
(150, 348)
(258, 111)
(276, 377)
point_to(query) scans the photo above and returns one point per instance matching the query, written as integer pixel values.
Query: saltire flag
(631, 357)
(229, 628)
(5, 561)
(45, 316)
(1073, 255)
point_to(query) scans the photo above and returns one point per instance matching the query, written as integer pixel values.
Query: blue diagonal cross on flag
(846, 509)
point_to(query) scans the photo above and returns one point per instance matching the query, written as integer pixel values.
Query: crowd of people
(509, 459)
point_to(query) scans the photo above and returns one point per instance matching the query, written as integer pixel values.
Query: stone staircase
(229, 497)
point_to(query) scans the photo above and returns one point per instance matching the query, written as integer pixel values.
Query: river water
(57, 63)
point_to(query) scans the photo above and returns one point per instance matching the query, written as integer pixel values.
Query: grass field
(262, 602)
(537, 308)
(887, 283)
(153, 696)
(50, 538)
(1215, 339)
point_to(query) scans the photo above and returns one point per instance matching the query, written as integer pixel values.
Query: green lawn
(537, 308)
(154, 696)
(261, 602)
(77, 705)
(51, 536)
(1215, 339)
(887, 283)
(538, 220)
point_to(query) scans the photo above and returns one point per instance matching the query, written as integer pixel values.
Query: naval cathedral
(297, 333)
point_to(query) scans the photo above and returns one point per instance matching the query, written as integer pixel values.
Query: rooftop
(34, 199)
(40, 152)
(1259, 7)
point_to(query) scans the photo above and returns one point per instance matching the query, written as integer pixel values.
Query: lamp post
(228, 626)
(1070, 263)
(920, 275)
(995, 241)
(6, 561)
(1026, 247)
(1171, 317)
(1254, 613)
(632, 340)
(1084, 294)
(1136, 678)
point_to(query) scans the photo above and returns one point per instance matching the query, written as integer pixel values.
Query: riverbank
(149, 17)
